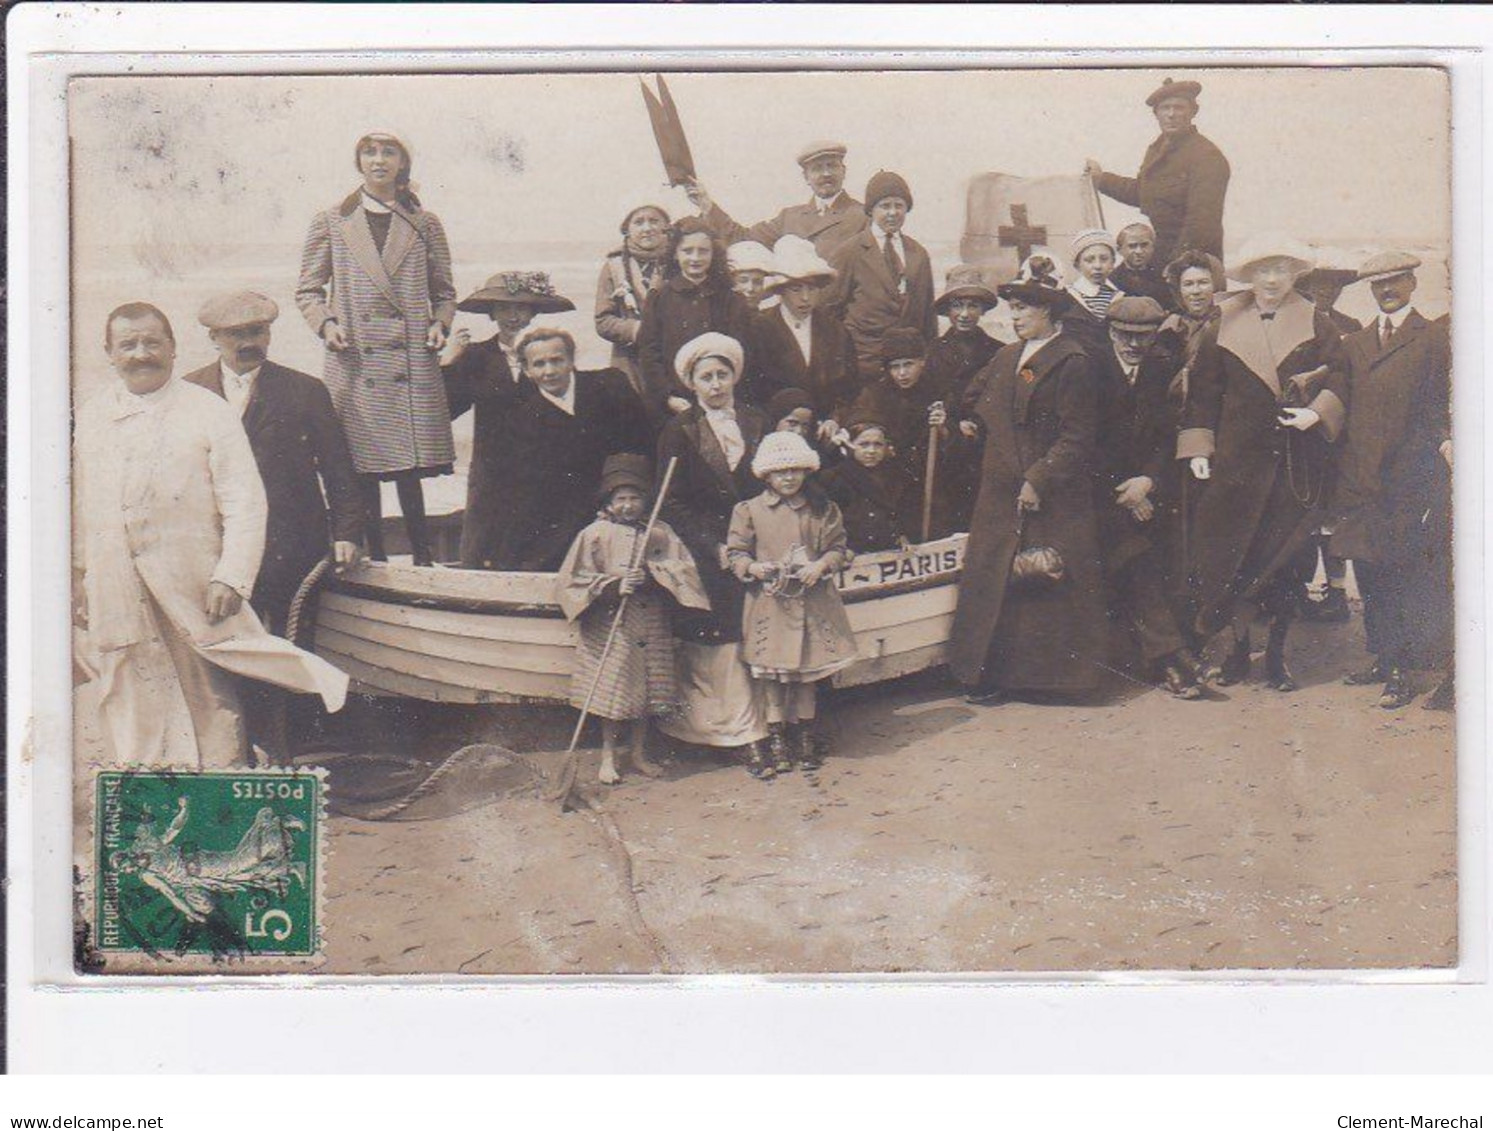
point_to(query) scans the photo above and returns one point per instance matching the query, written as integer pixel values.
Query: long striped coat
(386, 385)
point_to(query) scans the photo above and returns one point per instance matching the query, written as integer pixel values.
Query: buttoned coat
(300, 451)
(829, 376)
(1393, 490)
(804, 634)
(1267, 490)
(480, 381)
(553, 469)
(868, 299)
(843, 220)
(1039, 427)
(705, 491)
(1180, 187)
(678, 312)
(386, 385)
(168, 499)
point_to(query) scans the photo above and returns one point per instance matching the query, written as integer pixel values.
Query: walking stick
(928, 470)
(565, 779)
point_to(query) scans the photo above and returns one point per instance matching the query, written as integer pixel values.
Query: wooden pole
(565, 779)
(929, 469)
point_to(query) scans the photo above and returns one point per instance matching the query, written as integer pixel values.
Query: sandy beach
(1250, 831)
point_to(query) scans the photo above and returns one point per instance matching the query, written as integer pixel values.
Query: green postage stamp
(221, 865)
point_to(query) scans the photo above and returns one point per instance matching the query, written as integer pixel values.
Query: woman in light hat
(488, 379)
(1037, 410)
(695, 298)
(1263, 406)
(376, 287)
(629, 275)
(802, 344)
(714, 440)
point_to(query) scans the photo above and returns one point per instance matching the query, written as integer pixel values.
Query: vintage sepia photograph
(842, 522)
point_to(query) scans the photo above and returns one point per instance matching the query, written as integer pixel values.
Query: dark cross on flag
(1021, 233)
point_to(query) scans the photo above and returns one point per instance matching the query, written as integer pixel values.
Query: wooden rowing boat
(467, 636)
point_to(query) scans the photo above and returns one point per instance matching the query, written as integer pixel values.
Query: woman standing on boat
(1038, 409)
(629, 275)
(376, 287)
(714, 441)
(1261, 411)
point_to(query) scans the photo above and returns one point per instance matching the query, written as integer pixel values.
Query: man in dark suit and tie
(1393, 495)
(298, 444)
(830, 218)
(884, 278)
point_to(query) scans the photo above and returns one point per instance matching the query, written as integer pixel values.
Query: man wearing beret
(1393, 494)
(830, 217)
(1136, 490)
(1182, 179)
(298, 444)
(884, 279)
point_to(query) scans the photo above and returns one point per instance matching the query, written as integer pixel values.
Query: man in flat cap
(1137, 488)
(830, 217)
(1182, 179)
(298, 444)
(1393, 496)
(884, 278)
(169, 526)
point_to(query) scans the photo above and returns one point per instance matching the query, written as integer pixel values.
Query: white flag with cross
(1009, 217)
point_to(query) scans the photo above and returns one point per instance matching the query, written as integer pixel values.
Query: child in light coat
(787, 545)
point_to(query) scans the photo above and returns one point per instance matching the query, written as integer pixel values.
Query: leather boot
(1397, 691)
(810, 753)
(1178, 681)
(1444, 698)
(777, 748)
(757, 763)
(1235, 667)
(1277, 674)
(1374, 673)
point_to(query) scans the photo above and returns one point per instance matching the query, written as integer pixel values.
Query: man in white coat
(169, 528)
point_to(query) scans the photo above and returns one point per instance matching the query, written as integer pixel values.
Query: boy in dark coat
(1138, 273)
(964, 348)
(1393, 500)
(884, 278)
(874, 490)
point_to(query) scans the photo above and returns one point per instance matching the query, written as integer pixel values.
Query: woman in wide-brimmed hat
(376, 287)
(714, 441)
(488, 379)
(629, 275)
(1037, 411)
(1262, 408)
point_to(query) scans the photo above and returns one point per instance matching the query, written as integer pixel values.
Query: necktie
(1387, 334)
(893, 260)
(728, 432)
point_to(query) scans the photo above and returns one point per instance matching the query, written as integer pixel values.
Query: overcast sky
(191, 166)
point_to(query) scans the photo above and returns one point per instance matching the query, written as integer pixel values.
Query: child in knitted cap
(608, 562)
(786, 545)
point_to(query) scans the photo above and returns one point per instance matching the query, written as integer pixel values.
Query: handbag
(1035, 567)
